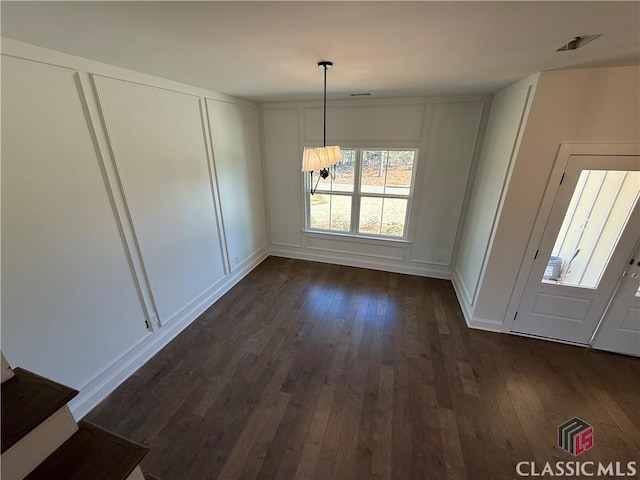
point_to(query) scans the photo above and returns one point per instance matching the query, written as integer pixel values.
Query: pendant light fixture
(321, 158)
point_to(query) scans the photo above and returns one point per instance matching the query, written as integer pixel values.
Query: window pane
(387, 171)
(597, 214)
(344, 174)
(399, 172)
(374, 170)
(393, 217)
(341, 213)
(370, 215)
(330, 212)
(320, 206)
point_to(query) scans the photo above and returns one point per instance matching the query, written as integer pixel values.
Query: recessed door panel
(620, 328)
(631, 321)
(560, 306)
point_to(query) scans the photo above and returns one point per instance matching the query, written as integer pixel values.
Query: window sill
(395, 242)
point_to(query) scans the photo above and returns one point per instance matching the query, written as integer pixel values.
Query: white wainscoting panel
(283, 156)
(159, 148)
(365, 123)
(236, 150)
(361, 249)
(69, 301)
(452, 142)
(498, 150)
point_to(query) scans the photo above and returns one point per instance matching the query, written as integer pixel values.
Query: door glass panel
(597, 214)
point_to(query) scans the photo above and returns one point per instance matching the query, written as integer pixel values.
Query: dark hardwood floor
(309, 370)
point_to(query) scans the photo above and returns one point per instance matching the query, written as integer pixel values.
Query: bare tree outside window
(376, 184)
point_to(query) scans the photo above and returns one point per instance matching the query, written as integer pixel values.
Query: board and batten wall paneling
(498, 149)
(448, 159)
(445, 132)
(576, 106)
(333, 246)
(234, 133)
(69, 302)
(282, 153)
(365, 123)
(157, 140)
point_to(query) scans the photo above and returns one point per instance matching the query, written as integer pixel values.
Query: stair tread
(91, 453)
(27, 400)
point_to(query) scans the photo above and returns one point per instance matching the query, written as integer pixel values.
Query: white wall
(127, 200)
(69, 301)
(159, 151)
(599, 105)
(445, 130)
(235, 130)
(504, 128)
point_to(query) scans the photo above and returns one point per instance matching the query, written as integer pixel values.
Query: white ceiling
(268, 50)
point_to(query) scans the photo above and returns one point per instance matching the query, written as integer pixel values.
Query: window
(369, 196)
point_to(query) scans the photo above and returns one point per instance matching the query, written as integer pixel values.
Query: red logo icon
(575, 436)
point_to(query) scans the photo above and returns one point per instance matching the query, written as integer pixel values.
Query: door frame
(565, 152)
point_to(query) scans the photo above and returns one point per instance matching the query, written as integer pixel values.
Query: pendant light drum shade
(320, 158)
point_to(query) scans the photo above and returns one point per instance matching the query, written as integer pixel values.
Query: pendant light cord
(324, 120)
(330, 170)
(326, 171)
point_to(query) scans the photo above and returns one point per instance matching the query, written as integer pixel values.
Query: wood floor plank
(467, 377)
(311, 451)
(452, 451)
(316, 371)
(257, 433)
(345, 464)
(324, 470)
(381, 461)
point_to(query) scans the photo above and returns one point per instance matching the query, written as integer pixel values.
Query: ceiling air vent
(577, 42)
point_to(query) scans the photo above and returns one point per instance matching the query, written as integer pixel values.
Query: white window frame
(357, 194)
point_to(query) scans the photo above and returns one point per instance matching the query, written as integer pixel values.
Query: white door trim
(565, 151)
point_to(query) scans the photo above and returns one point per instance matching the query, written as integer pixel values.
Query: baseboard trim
(463, 297)
(485, 324)
(106, 382)
(476, 323)
(437, 272)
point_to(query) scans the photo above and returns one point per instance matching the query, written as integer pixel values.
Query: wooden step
(136, 474)
(91, 453)
(5, 370)
(28, 400)
(38, 444)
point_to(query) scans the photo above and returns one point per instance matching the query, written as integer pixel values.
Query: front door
(620, 327)
(591, 230)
